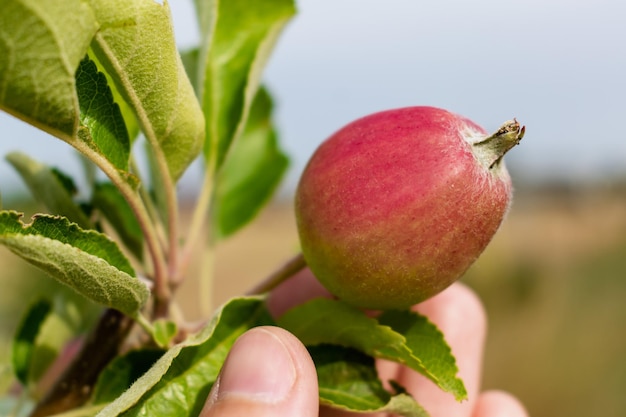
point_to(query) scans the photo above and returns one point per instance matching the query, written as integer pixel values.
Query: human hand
(268, 371)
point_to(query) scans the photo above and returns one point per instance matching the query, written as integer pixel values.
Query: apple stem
(490, 150)
(289, 269)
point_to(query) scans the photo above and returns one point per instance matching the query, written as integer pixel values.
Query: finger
(498, 404)
(268, 372)
(459, 314)
(296, 290)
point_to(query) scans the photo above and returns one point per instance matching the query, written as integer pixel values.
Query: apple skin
(395, 206)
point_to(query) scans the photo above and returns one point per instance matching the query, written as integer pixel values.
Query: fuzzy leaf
(237, 38)
(426, 342)
(109, 201)
(328, 321)
(253, 169)
(50, 187)
(24, 341)
(348, 380)
(179, 382)
(106, 131)
(87, 261)
(41, 44)
(136, 46)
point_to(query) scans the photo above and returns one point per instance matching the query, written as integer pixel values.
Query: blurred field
(553, 282)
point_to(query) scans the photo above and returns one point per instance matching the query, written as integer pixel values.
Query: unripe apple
(395, 206)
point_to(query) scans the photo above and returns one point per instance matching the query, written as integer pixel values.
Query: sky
(557, 66)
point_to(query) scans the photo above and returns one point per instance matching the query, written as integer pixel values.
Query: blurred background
(554, 278)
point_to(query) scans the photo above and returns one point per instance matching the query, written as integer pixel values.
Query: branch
(294, 265)
(75, 386)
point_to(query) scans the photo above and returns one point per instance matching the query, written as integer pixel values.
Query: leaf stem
(150, 208)
(199, 219)
(166, 269)
(162, 291)
(162, 277)
(207, 276)
(197, 224)
(145, 324)
(294, 265)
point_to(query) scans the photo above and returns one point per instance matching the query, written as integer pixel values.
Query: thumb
(268, 372)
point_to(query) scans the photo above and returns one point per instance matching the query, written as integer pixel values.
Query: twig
(294, 265)
(74, 387)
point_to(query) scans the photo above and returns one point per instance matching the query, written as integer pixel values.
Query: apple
(395, 206)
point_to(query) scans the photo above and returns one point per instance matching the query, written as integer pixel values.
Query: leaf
(41, 44)
(86, 261)
(251, 172)
(70, 316)
(136, 46)
(329, 321)
(110, 202)
(122, 372)
(24, 340)
(128, 114)
(190, 62)
(426, 342)
(237, 38)
(322, 321)
(179, 382)
(348, 380)
(105, 128)
(50, 187)
(164, 332)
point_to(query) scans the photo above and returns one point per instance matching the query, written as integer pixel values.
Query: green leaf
(179, 382)
(190, 62)
(164, 332)
(329, 321)
(322, 321)
(86, 261)
(132, 126)
(70, 316)
(136, 46)
(122, 372)
(237, 39)
(426, 342)
(252, 171)
(24, 341)
(41, 44)
(348, 380)
(109, 201)
(50, 187)
(105, 128)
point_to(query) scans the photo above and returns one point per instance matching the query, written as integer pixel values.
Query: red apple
(395, 206)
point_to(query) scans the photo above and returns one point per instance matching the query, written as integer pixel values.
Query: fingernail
(259, 368)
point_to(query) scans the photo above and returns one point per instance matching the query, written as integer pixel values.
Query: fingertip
(267, 372)
(498, 404)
